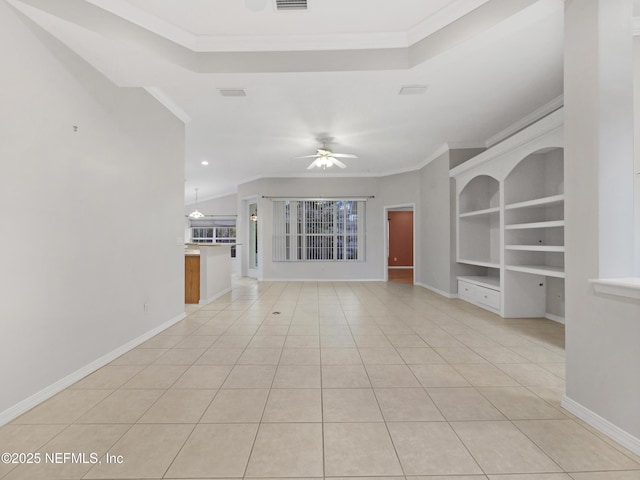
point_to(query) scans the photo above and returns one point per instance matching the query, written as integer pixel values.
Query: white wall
(437, 248)
(215, 273)
(603, 333)
(402, 189)
(636, 142)
(90, 219)
(430, 189)
(369, 269)
(434, 247)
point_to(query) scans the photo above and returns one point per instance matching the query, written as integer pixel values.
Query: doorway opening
(253, 240)
(400, 267)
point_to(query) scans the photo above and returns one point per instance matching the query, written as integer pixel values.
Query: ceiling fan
(325, 158)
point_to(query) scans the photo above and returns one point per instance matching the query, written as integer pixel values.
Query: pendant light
(196, 214)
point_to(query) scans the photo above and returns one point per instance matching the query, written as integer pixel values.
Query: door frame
(246, 271)
(385, 250)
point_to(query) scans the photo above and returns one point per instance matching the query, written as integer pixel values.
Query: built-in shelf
(537, 248)
(477, 213)
(510, 219)
(538, 202)
(489, 282)
(545, 270)
(526, 226)
(482, 263)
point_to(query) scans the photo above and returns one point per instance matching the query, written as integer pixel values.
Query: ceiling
(333, 71)
(206, 17)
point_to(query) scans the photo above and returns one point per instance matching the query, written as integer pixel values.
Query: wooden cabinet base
(192, 279)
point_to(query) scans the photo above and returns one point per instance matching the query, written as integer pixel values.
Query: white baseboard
(554, 318)
(612, 431)
(437, 290)
(400, 268)
(342, 280)
(215, 297)
(48, 392)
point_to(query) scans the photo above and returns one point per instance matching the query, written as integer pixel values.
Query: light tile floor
(313, 380)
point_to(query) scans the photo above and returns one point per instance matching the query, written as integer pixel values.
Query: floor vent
(291, 5)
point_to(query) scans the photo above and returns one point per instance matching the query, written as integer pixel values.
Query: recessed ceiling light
(232, 92)
(204, 162)
(413, 89)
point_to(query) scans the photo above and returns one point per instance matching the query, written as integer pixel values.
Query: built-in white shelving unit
(537, 202)
(479, 220)
(510, 220)
(478, 213)
(479, 263)
(531, 226)
(536, 248)
(546, 270)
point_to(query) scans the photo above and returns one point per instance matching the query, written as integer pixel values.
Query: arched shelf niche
(479, 222)
(480, 193)
(534, 235)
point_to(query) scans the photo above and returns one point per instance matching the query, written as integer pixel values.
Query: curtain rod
(347, 197)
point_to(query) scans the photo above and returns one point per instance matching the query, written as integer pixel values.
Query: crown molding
(552, 122)
(436, 153)
(441, 19)
(270, 43)
(441, 150)
(250, 43)
(293, 43)
(465, 145)
(139, 17)
(169, 103)
(524, 122)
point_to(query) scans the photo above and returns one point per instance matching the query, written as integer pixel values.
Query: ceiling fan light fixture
(325, 158)
(326, 162)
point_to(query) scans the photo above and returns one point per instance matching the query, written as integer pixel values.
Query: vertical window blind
(318, 230)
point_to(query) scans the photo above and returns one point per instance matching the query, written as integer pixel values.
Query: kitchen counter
(209, 276)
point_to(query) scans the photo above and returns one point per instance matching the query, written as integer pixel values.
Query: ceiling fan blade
(313, 165)
(308, 156)
(344, 155)
(338, 163)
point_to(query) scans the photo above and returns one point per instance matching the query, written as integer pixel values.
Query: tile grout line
(264, 408)
(205, 410)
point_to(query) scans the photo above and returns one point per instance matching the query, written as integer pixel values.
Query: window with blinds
(318, 230)
(222, 230)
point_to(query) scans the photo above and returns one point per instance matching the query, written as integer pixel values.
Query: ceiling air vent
(232, 92)
(413, 90)
(282, 5)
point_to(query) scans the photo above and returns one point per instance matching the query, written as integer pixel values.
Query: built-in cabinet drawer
(479, 295)
(488, 297)
(466, 289)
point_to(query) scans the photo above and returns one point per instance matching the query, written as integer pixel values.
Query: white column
(602, 332)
